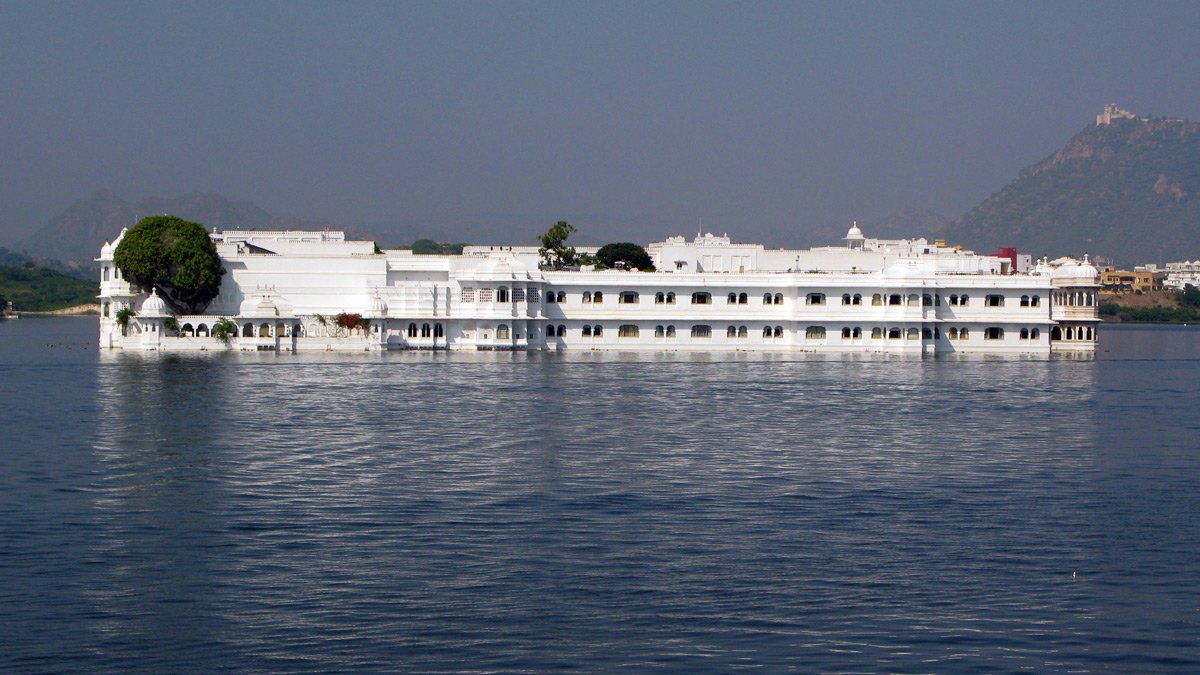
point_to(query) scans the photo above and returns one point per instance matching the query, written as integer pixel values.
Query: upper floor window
(1024, 300)
(468, 294)
(534, 295)
(485, 295)
(768, 299)
(659, 298)
(701, 331)
(587, 296)
(814, 333)
(518, 295)
(550, 298)
(914, 300)
(993, 333)
(815, 299)
(894, 299)
(671, 298)
(876, 300)
(845, 298)
(1035, 301)
(743, 298)
(731, 332)
(927, 300)
(105, 274)
(670, 331)
(627, 331)
(701, 299)
(658, 331)
(628, 298)
(994, 301)
(733, 298)
(964, 299)
(501, 296)
(597, 297)
(562, 296)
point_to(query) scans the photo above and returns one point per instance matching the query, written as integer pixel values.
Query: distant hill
(79, 232)
(36, 289)
(1128, 189)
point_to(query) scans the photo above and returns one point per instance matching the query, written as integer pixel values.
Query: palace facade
(283, 290)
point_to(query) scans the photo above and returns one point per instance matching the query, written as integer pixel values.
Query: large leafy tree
(554, 251)
(631, 255)
(175, 256)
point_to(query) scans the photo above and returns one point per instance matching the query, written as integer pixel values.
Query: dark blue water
(498, 512)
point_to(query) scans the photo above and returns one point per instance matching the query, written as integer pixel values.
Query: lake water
(513, 512)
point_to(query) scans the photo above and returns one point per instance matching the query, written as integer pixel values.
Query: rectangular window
(701, 331)
(485, 295)
(534, 295)
(815, 299)
(518, 295)
(468, 294)
(995, 301)
(627, 331)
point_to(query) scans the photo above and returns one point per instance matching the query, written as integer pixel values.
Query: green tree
(175, 256)
(554, 251)
(1189, 296)
(631, 255)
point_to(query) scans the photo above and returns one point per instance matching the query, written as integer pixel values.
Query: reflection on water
(512, 511)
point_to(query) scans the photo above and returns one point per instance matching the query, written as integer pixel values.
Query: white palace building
(282, 290)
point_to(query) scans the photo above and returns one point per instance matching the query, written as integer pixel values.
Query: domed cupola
(854, 236)
(154, 306)
(377, 308)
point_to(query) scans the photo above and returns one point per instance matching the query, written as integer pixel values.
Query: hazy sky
(766, 120)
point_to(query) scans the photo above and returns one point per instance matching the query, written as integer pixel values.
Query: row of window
(1075, 298)
(504, 295)
(820, 333)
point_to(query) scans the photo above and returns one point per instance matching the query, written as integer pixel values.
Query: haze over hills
(1127, 188)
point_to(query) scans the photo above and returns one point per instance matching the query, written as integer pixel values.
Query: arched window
(964, 299)
(670, 331)
(587, 331)
(187, 330)
(670, 297)
(701, 331)
(1024, 300)
(876, 333)
(202, 330)
(845, 298)
(927, 300)
(627, 330)
(732, 298)
(628, 298)
(587, 296)
(412, 330)
(659, 332)
(550, 298)
(597, 331)
(857, 333)
(845, 332)
(425, 331)
(743, 332)
(895, 299)
(778, 331)
(1070, 332)
(502, 294)
(953, 334)
(297, 330)
(914, 300)
(264, 330)
(1090, 335)
(937, 299)
(876, 300)
(438, 331)
(562, 296)
(1055, 334)
(502, 332)
(926, 334)
(1035, 334)
(766, 332)
(1024, 333)
(248, 330)
(562, 331)
(659, 298)
(814, 333)
(953, 299)
(937, 333)
(105, 278)
(768, 299)
(742, 298)
(1035, 302)
(597, 297)
(814, 299)
(701, 299)
(893, 333)
(964, 334)
(779, 298)
(856, 300)
(731, 332)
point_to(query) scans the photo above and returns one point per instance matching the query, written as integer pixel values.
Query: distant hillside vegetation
(37, 289)
(1129, 190)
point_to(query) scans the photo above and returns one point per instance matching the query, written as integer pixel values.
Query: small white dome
(154, 306)
(854, 233)
(377, 308)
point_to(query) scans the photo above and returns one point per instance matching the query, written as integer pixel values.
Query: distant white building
(1181, 274)
(283, 290)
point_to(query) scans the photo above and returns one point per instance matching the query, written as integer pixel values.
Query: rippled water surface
(498, 512)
